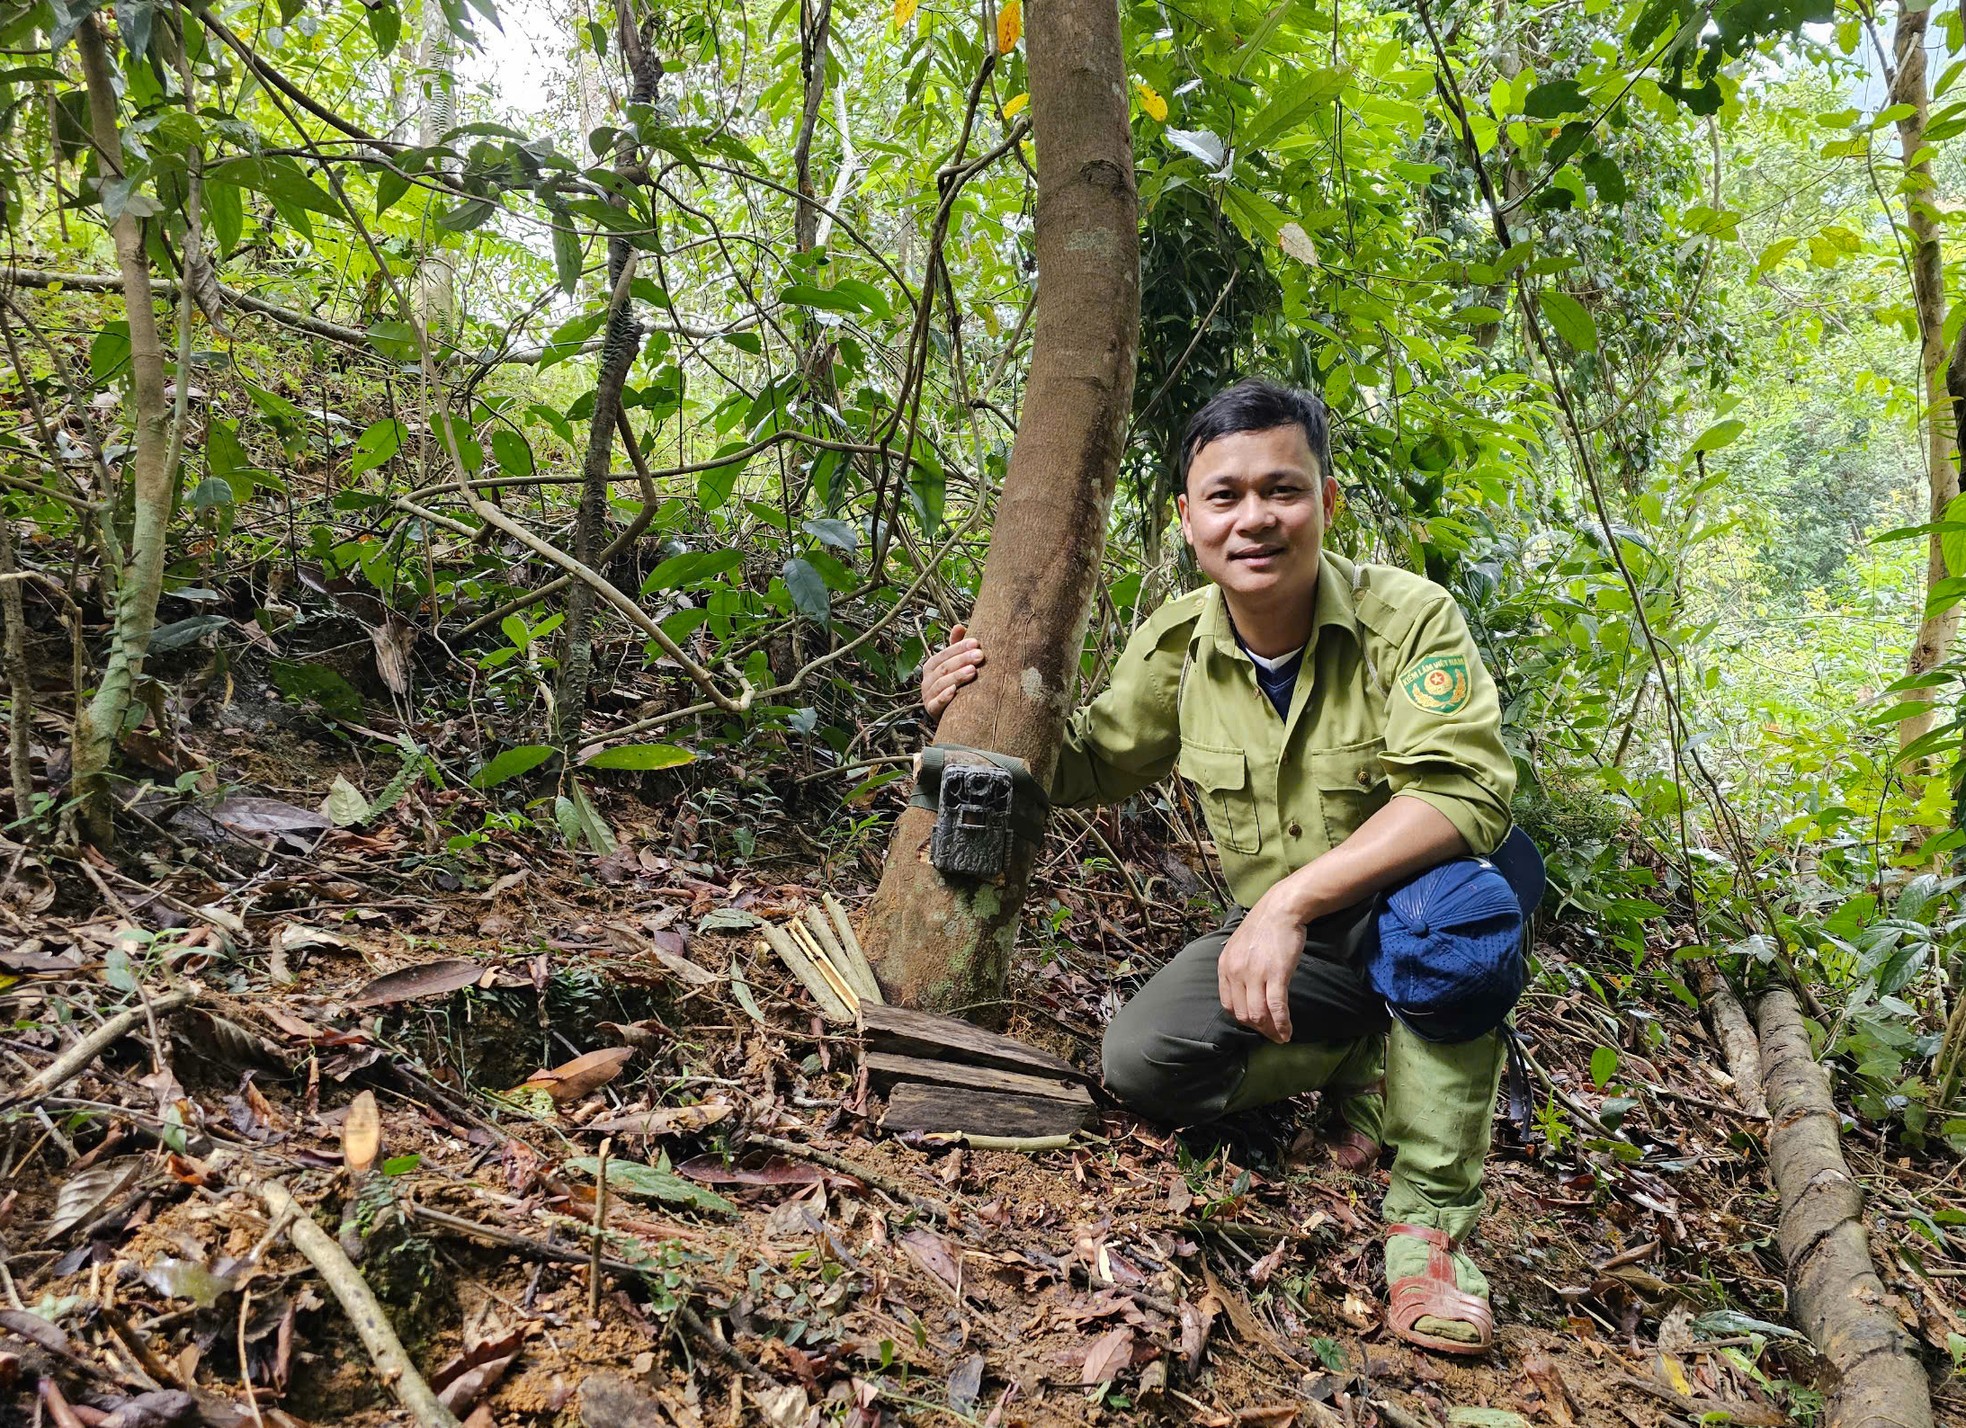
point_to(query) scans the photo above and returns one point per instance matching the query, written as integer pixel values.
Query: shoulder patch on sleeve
(1439, 684)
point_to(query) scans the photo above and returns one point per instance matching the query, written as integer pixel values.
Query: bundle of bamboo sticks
(826, 957)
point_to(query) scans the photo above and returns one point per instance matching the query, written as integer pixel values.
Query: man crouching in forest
(1345, 738)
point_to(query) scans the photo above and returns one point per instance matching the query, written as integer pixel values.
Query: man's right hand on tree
(948, 670)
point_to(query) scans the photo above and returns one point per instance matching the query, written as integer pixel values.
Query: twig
(77, 1059)
(245, 1364)
(600, 1228)
(927, 1204)
(392, 1363)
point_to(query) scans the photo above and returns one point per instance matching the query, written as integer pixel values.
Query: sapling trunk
(140, 580)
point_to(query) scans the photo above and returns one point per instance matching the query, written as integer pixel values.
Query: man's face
(1255, 510)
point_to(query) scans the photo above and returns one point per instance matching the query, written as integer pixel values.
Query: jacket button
(1364, 778)
(1296, 829)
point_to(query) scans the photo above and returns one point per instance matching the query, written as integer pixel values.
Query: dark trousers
(1175, 1055)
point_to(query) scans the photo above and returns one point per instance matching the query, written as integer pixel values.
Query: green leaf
(225, 211)
(639, 757)
(472, 213)
(345, 803)
(1721, 433)
(839, 534)
(1555, 98)
(382, 440)
(692, 567)
(1606, 179)
(629, 1177)
(385, 27)
(212, 491)
(847, 295)
(179, 633)
(1290, 106)
(109, 353)
(228, 460)
(389, 187)
(1604, 1065)
(714, 486)
(511, 764)
(808, 591)
(394, 339)
(400, 1164)
(283, 180)
(512, 452)
(593, 827)
(1727, 1323)
(567, 256)
(570, 337)
(1571, 320)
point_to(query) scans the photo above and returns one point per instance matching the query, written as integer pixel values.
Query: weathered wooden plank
(919, 1106)
(884, 1069)
(907, 1032)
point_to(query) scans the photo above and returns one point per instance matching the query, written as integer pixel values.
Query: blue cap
(1448, 955)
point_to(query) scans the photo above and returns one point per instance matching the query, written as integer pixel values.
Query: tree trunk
(140, 579)
(436, 273)
(1835, 1296)
(20, 685)
(815, 29)
(617, 355)
(1911, 86)
(946, 943)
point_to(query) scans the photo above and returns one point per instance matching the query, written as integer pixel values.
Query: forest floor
(1195, 1278)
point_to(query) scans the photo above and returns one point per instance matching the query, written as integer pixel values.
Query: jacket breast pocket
(1222, 775)
(1351, 786)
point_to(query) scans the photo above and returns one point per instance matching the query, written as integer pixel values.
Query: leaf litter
(1134, 1274)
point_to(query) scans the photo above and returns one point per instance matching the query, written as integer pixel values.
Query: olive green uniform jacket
(1392, 701)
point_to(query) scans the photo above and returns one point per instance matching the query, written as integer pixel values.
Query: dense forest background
(499, 440)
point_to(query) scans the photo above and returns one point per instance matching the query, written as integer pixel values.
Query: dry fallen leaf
(1196, 1320)
(432, 979)
(577, 1077)
(1260, 1272)
(1110, 1353)
(667, 1120)
(1557, 1405)
(934, 1254)
(361, 1134)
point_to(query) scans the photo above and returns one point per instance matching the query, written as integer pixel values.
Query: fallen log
(1738, 1045)
(1835, 1295)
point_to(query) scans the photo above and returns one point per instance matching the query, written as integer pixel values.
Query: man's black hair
(1258, 404)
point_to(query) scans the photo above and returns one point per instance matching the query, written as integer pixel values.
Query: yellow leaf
(904, 10)
(1010, 24)
(1675, 1374)
(1016, 106)
(1151, 101)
